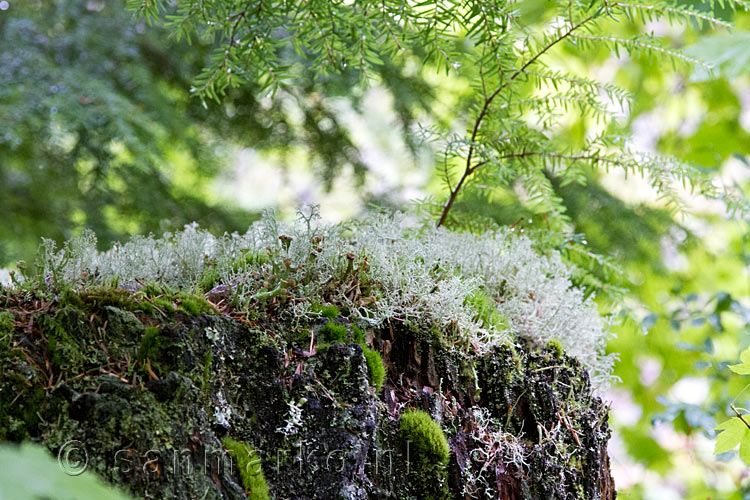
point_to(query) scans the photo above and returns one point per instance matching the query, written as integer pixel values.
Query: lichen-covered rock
(153, 394)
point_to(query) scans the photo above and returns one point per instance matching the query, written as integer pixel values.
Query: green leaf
(742, 368)
(733, 432)
(745, 449)
(28, 472)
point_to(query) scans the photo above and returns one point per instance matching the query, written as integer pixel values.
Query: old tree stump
(153, 385)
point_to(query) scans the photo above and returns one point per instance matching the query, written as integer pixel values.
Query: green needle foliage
(97, 131)
(507, 129)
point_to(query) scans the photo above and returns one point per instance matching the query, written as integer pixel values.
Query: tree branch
(470, 169)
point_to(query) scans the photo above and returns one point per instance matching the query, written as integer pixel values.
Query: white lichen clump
(222, 411)
(293, 423)
(421, 274)
(494, 446)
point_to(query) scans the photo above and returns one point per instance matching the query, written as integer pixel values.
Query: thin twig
(470, 169)
(739, 415)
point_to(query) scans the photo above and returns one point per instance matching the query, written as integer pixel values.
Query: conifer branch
(502, 53)
(638, 44)
(470, 169)
(671, 10)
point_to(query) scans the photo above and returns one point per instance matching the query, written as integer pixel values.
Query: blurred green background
(98, 129)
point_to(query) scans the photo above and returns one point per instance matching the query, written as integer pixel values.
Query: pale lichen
(401, 271)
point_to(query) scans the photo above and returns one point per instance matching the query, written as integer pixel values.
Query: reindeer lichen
(480, 290)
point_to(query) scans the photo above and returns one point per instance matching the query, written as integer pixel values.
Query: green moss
(163, 304)
(332, 332)
(427, 453)
(193, 304)
(65, 352)
(152, 289)
(151, 344)
(327, 311)
(427, 439)
(248, 259)
(330, 312)
(209, 279)
(486, 311)
(147, 307)
(19, 400)
(6, 324)
(102, 296)
(168, 300)
(375, 367)
(249, 465)
(555, 347)
(70, 298)
(19, 408)
(358, 335)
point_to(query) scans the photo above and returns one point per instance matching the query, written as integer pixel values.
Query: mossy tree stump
(154, 394)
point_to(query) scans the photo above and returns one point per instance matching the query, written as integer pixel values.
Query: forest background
(99, 129)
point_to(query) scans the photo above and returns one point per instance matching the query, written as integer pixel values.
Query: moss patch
(193, 304)
(6, 324)
(249, 466)
(98, 297)
(358, 335)
(555, 347)
(375, 367)
(208, 279)
(329, 311)
(427, 453)
(426, 437)
(332, 332)
(486, 311)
